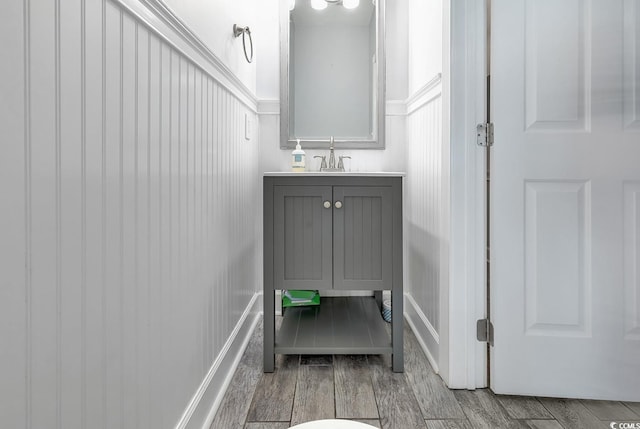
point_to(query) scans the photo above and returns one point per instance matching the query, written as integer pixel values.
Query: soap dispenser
(298, 159)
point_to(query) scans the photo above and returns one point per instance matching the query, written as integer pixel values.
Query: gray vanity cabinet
(362, 237)
(303, 237)
(333, 232)
(332, 237)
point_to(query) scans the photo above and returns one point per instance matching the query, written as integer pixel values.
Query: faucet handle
(323, 164)
(341, 163)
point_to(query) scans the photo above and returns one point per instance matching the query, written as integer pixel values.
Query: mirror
(332, 75)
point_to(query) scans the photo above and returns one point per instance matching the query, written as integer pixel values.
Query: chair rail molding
(424, 95)
(160, 19)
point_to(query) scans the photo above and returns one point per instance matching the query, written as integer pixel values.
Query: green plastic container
(297, 298)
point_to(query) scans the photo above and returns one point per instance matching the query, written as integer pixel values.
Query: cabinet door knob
(338, 204)
(327, 204)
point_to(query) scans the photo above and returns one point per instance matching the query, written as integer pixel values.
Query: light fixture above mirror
(322, 4)
(350, 4)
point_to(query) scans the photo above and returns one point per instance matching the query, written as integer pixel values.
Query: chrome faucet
(323, 163)
(341, 162)
(332, 157)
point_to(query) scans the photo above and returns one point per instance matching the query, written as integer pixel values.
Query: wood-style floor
(364, 388)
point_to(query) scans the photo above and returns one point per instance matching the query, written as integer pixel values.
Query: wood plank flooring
(364, 389)
(355, 398)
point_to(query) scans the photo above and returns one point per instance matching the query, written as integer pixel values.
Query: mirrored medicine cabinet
(332, 75)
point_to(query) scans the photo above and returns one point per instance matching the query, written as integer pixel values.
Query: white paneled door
(565, 195)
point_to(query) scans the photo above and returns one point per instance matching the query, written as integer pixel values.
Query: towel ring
(237, 31)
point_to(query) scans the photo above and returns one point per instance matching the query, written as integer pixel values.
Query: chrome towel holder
(239, 30)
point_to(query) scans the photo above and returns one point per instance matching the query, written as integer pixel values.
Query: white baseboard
(204, 404)
(425, 332)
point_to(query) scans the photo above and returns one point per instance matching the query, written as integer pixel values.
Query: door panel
(302, 237)
(632, 260)
(564, 198)
(362, 238)
(631, 28)
(557, 286)
(560, 28)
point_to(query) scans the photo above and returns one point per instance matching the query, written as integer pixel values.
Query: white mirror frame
(286, 140)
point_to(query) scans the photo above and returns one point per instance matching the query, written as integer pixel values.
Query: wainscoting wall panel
(424, 232)
(129, 241)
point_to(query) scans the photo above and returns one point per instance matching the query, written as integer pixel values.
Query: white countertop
(344, 174)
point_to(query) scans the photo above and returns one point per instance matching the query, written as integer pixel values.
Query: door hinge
(484, 331)
(484, 134)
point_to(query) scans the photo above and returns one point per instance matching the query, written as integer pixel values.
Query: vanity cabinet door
(363, 232)
(302, 237)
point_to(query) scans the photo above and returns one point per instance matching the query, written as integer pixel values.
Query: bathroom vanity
(333, 231)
